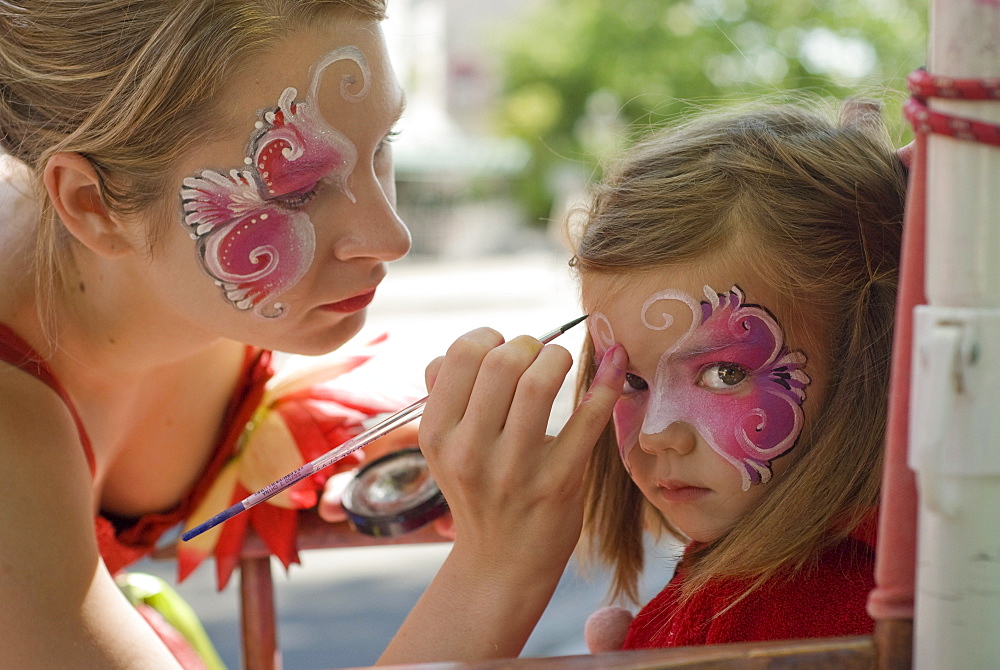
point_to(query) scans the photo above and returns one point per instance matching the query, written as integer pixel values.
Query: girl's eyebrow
(695, 352)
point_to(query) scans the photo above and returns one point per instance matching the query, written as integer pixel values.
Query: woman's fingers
(431, 372)
(504, 370)
(535, 394)
(445, 526)
(594, 411)
(454, 377)
(330, 508)
(489, 452)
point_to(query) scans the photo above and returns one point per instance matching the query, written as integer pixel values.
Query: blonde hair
(815, 207)
(125, 84)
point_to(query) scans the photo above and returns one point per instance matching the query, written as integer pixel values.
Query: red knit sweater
(827, 600)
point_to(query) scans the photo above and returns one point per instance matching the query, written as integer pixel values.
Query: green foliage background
(582, 76)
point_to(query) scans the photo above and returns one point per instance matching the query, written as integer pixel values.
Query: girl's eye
(722, 376)
(634, 383)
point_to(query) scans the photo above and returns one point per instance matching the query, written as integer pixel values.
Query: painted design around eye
(252, 236)
(748, 429)
(601, 333)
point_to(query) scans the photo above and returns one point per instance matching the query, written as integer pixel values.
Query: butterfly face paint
(728, 376)
(252, 235)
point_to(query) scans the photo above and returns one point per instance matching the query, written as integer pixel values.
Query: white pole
(955, 407)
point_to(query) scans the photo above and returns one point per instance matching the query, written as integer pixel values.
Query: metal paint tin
(393, 495)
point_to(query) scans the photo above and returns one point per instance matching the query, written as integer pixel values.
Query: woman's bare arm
(61, 608)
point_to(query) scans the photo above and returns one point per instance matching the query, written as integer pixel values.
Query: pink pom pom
(606, 629)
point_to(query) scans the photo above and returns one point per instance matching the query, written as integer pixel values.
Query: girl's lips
(680, 492)
(354, 304)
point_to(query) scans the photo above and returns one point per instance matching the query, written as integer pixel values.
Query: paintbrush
(402, 417)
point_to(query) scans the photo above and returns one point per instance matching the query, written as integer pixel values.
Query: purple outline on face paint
(251, 234)
(750, 426)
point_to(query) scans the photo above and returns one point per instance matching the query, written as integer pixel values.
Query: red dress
(826, 600)
(314, 418)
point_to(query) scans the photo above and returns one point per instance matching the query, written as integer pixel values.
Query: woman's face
(716, 390)
(283, 226)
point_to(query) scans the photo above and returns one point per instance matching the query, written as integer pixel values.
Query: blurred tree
(579, 75)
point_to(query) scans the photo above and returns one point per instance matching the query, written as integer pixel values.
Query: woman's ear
(75, 191)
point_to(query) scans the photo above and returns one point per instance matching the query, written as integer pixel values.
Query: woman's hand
(508, 484)
(516, 494)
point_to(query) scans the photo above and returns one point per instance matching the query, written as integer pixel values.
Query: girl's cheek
(628, 415)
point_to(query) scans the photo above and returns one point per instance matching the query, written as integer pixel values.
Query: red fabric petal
(227, 551)
(318, 427)
(278, 527)
(318, 417)
(176, 643)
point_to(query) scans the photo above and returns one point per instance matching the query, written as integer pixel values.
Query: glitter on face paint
(252, 236)
(757, 420)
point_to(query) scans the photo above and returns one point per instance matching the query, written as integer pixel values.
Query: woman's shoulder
(35, 422)
(46, 476)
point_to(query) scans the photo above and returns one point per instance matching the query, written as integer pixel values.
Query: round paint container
(393, 495)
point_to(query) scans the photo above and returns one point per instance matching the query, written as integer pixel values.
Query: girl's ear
(75, 191)
(861, 113)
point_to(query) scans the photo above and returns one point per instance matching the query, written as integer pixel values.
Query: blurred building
(453, 174)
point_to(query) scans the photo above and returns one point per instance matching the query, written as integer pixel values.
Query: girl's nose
(679, 437)
(376, 230)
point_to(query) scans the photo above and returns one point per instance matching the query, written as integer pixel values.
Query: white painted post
(955, 407)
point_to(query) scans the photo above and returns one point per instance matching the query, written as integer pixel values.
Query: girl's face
(283, 226)
(714, 399)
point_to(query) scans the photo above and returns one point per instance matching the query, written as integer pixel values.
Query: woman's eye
(722, 376)
(634, 383)
(386, 141)
(299, 199)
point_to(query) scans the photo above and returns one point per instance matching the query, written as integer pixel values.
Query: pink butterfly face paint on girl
(252, 235)
(729, 376)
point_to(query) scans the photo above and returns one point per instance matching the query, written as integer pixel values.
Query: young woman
(186, 186)
(140, 256)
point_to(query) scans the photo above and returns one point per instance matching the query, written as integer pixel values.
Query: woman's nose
(678, 436)
(376, 230)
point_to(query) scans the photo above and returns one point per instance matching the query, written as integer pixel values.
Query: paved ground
(340, 607)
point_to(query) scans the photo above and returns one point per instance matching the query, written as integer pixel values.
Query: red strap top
(19, 353)
(123, 542)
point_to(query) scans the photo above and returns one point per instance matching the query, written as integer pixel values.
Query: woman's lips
(680, 492)
(354, 304)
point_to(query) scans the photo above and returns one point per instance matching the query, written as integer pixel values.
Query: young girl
(747, 264)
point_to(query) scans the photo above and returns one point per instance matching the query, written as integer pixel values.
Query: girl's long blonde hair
(815, 206)
(130, 86)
